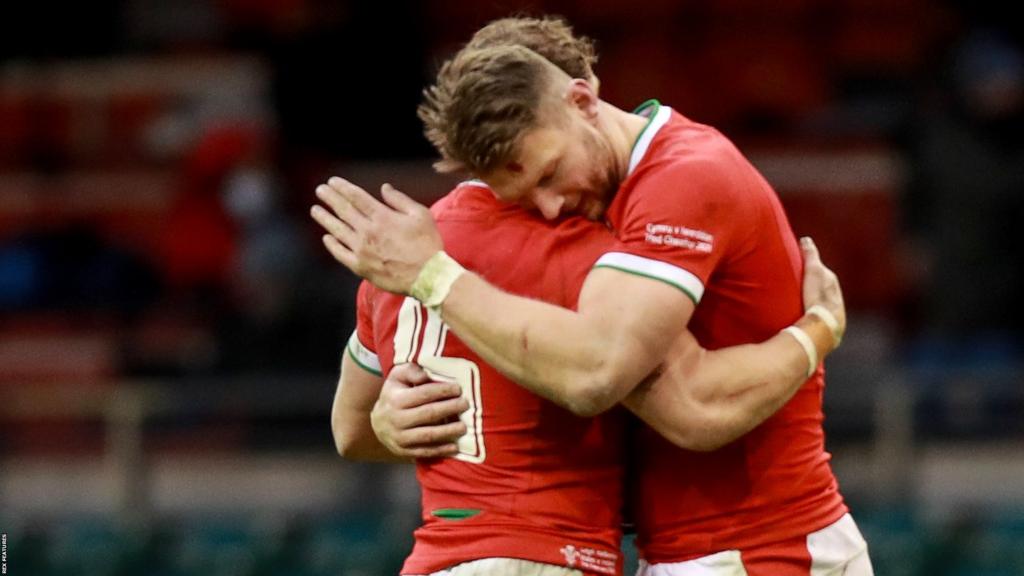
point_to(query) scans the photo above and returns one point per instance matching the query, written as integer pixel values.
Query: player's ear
(582, 95)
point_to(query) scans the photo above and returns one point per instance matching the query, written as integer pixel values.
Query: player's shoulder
(690, 146)
(367, 293)
(471, 199)
(471, 209)
(693, 174)
(693, 157)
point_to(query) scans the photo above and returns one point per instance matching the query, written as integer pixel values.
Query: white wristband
(435, 279)
(829, 319)
(807, 344)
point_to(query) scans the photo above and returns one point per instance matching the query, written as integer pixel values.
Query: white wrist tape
(829, 319)
(435, 279)
(807, 344)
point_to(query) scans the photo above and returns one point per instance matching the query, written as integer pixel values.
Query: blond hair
(489, 93)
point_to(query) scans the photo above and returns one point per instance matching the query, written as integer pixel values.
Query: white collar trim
(661, 116)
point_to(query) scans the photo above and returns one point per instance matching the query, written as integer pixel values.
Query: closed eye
(549, 174)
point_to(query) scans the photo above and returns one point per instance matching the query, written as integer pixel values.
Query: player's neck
(622, 129)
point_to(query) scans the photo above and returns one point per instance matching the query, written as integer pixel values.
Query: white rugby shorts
(836, 550)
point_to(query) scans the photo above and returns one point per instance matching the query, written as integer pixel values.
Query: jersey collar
(657, 116)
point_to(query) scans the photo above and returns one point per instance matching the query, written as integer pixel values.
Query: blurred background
(171, 330)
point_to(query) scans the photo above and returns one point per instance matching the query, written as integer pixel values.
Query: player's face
(562, 168)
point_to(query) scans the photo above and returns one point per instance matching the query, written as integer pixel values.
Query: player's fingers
(434, 413)
(409, 374)
(340, 206)
(425, 394)
(337, 228)
(430, 435)
(397, 200)
(442, 451)
(357, 197)
(810, 250)
(340, 252)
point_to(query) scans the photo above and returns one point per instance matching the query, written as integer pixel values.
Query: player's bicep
(643, 316)
(359, 386)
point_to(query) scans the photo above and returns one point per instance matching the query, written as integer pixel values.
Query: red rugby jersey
(695, 213)
(532, 480)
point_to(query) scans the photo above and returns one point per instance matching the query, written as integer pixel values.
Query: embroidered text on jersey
(680, 236)
(600, 561)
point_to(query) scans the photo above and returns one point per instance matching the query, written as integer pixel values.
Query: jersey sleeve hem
(687, 282)
(363, 356)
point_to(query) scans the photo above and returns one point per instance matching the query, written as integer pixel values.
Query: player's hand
(821, 286)
(413, 416)
(385, 242)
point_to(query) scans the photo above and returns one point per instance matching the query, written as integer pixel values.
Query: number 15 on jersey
(420, 338)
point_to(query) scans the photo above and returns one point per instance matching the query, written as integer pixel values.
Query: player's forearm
(755, 380)
(351, 428)
(724, 395)
(355, 440)
(710, 398)
(553, 352)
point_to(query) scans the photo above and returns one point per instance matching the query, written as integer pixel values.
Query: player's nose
(549, 205)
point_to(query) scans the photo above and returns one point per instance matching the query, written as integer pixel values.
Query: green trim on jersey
(650, 118)
(652, 102)
(455, 513)
(685, 280)
(689, 294)
(659, 116)
(354, 355)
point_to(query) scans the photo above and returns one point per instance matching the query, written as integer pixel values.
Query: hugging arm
(702, 400)
(354, 398)
(586, 360)
(698, 399)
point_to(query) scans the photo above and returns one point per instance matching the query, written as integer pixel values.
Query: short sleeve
(361, 346)
(677, 225)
